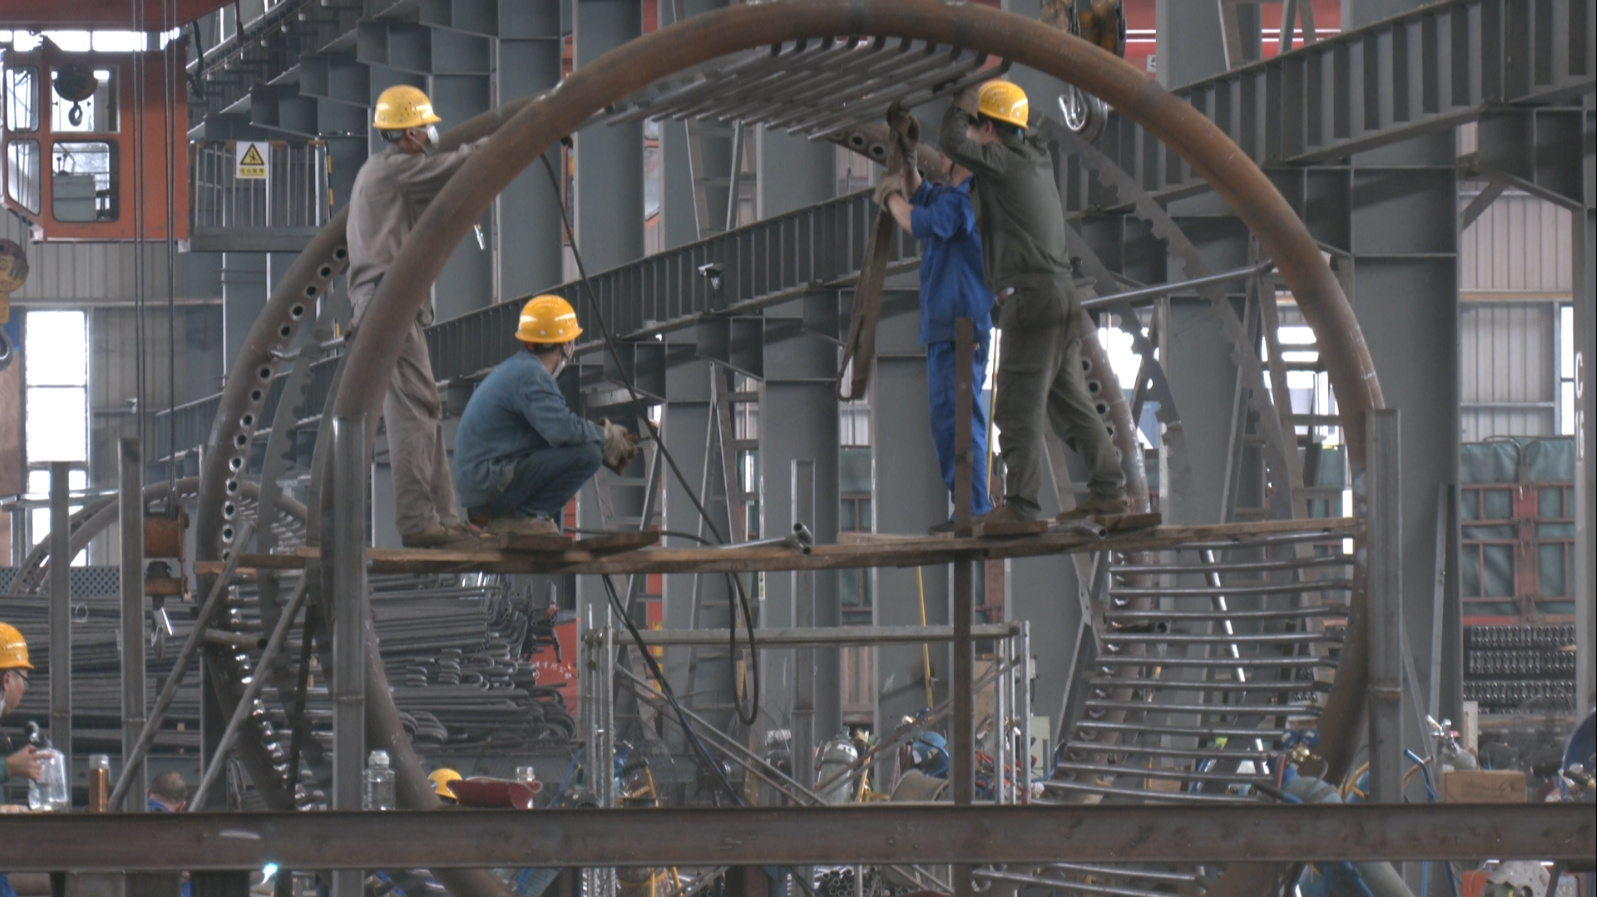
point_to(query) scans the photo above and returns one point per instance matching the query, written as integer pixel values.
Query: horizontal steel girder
(796, 835)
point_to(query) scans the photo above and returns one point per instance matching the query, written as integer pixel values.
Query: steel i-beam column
(528, 231)
(348, 686)
(60, 611)
(695, 600)
(609, 157)
(798, 401)
(466, 283)
(907, 495)
(1380, 498)
(131, 523)
(1585, 283)
(803, 497)
(244, 293)
(713, 160)
(1404, 236)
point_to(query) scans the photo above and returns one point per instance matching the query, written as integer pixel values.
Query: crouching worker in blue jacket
(951, 287)
(520, 452)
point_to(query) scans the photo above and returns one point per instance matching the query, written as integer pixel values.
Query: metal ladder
(1199, 660)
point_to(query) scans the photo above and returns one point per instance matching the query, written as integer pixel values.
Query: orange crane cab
(87, 138)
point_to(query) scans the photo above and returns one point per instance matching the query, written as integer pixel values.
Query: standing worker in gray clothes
(391, 191)
(1023, 251)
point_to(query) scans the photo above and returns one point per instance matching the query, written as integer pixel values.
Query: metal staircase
(1435, 67)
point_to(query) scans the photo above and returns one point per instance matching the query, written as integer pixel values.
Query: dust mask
(431, 146)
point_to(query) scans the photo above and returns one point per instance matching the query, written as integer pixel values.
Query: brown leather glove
(620, 446)
(891, 184)
(902, 122)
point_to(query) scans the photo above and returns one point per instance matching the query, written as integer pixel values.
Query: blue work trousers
(941, 393)
(543, 482)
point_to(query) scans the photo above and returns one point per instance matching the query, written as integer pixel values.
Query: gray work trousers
(413, 414)
(1040, 374)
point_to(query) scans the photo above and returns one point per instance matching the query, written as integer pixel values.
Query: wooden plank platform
(881, 551)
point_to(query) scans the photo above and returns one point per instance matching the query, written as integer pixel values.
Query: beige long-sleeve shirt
(391, 191)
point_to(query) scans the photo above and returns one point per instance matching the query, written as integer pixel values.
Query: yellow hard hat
(401, 107)
(548, 319)
(441, 779)
(1005, 102)
(13, 649)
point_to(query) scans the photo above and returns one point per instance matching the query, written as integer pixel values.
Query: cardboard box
(1481, 786)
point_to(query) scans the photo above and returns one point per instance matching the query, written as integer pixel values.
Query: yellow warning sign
(251, 160)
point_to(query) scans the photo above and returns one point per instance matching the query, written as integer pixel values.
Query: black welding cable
(654, 433)
(682, 718)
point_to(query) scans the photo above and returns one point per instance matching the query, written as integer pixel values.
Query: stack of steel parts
(454, 651)
(1205, 659)
(1521, 668)
(97, 676)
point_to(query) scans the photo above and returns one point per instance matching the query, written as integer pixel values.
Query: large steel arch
(528, 128)
(703, 38)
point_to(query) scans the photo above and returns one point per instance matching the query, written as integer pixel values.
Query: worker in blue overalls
(951, 287)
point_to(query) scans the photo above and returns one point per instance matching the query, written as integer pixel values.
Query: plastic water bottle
(379, 783)
(50, 793)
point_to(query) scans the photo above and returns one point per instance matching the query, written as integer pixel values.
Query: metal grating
(813, 87)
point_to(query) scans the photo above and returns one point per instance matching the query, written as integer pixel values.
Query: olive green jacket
(1018, 212)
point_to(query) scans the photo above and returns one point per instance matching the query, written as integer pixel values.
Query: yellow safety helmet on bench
(441, 778)
(548, 319)
(1005, 102)
(402, 107)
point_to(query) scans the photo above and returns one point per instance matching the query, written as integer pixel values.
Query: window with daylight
(56, 372)
(1566, 370)
(56, 404)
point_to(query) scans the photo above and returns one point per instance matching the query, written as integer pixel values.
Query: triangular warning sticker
(252, 156)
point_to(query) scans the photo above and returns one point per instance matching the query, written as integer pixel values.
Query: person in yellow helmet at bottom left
(391, 191)
(14, 672)
(521, 453)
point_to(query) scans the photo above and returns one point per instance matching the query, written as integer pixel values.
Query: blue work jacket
(951, 285)
(518, 409)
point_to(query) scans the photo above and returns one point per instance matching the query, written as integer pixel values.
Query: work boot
(1097, 506)
(938, 529)
(522, 526)
(1004, 513)
(435, 536)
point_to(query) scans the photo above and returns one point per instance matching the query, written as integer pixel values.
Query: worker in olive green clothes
(1023, 238)
(391, 191)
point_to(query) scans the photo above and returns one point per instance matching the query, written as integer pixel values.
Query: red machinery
(92, 150)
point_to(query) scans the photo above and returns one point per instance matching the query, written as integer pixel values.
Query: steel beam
(131, 524)
(832, 635)
(60, 611)
(873, 835)
(1585, 281)
(350, 478)
(1379, 496)
(907, 495)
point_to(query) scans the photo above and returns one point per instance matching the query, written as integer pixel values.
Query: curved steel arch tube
(702, 38)
(537, 125)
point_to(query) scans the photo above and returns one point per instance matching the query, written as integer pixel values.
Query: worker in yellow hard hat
(14, 672)
(391, 191)
(1039, 375)
(441, 779)
(521, 453)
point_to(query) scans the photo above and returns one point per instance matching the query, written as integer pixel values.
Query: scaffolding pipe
(131, 524)
(174, 679)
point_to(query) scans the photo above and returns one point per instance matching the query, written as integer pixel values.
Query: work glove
(620, 446)
(902, 122)
(891, 184)
(969, 99)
